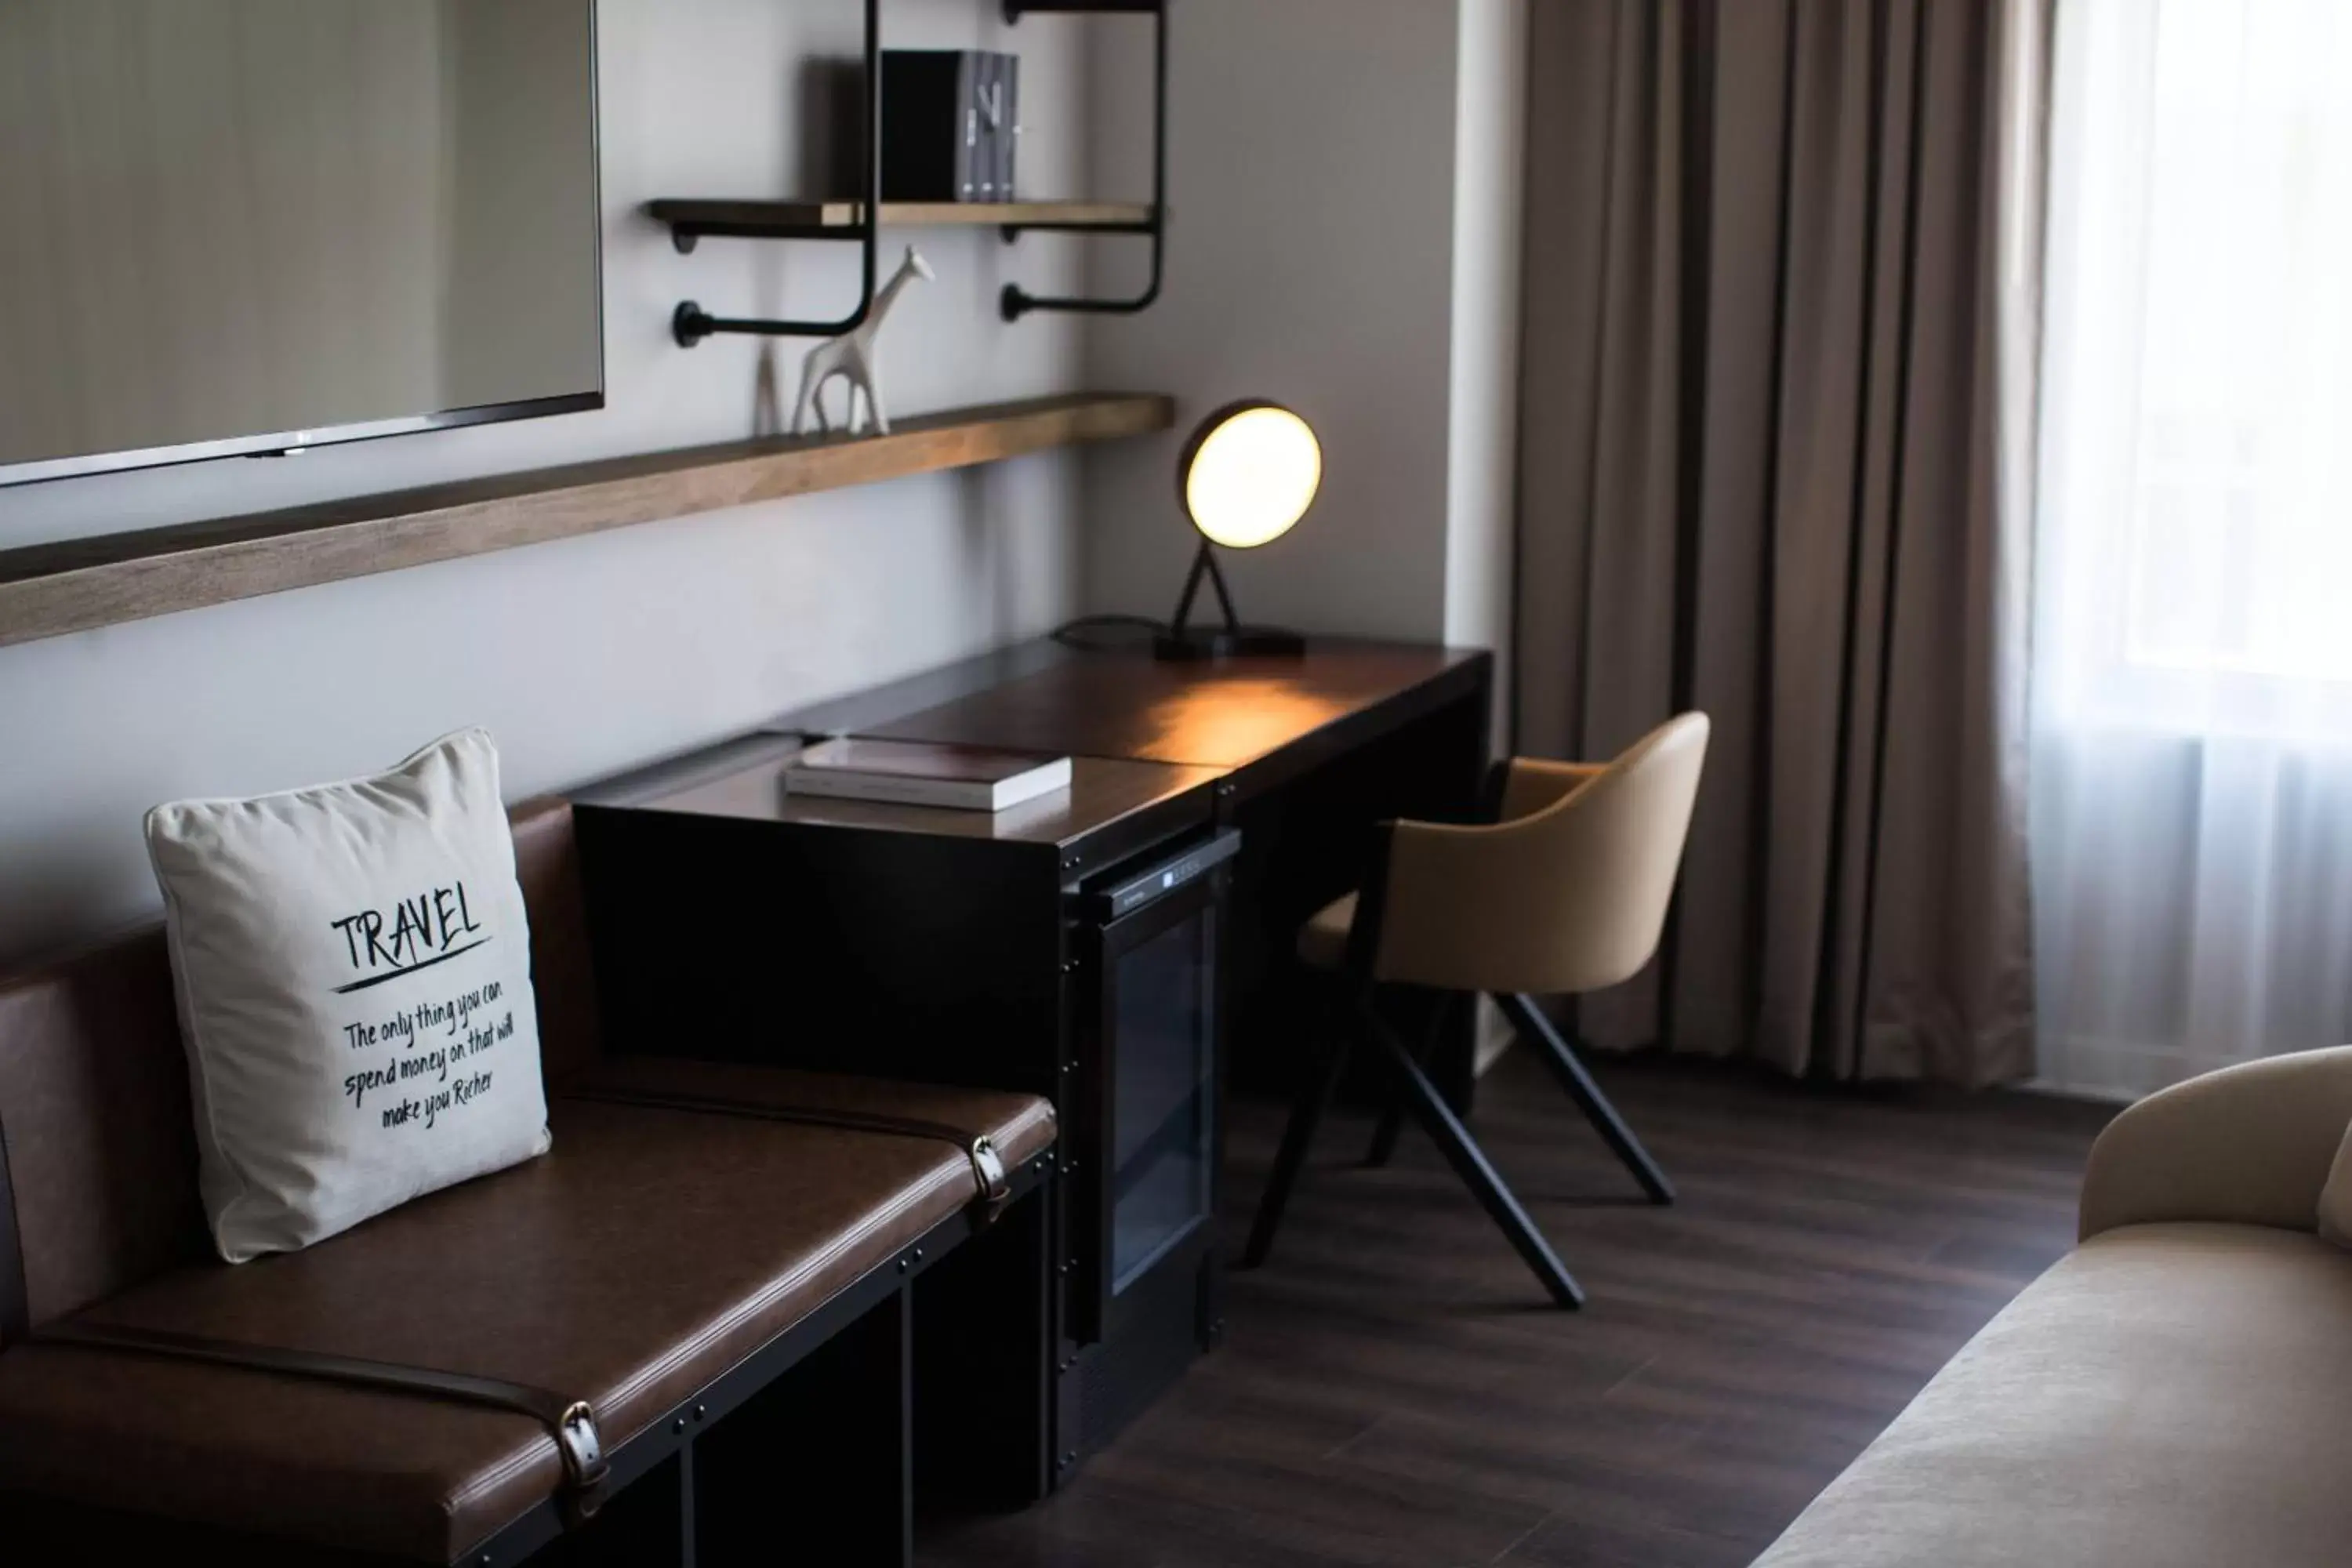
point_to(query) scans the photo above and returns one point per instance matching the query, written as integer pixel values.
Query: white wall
(1345, 178)
(585, 655)
(1311, 172)
(1481, 501)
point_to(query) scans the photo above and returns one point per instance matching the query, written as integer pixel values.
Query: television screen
(252, 226)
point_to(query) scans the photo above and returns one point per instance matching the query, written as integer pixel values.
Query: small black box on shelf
(948, 125)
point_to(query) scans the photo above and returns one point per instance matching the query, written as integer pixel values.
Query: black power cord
(1079, 634)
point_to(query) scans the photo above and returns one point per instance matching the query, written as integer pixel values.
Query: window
(2191, 811)
(2196, 555)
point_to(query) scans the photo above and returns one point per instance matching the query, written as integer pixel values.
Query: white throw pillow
(353, 971)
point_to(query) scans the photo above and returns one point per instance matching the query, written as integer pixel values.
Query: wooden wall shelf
(689, 220)
(48, 590)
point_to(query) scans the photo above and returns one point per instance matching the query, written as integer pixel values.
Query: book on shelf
(1007, 124)
(924, 773)
(988, 107)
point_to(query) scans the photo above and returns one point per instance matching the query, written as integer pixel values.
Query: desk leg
(1304, 841)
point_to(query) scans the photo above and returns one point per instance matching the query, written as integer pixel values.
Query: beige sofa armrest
(2250, 1143)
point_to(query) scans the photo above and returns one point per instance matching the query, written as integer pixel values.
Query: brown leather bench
(678, 1262)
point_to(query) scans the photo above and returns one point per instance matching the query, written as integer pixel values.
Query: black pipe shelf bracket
(861, 220)
(691, 323)
(1016, 302)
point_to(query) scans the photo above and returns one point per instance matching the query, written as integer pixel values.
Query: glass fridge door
(1162, 1040)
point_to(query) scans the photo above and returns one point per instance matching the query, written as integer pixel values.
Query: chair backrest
(1570, 897)
(98, 1158)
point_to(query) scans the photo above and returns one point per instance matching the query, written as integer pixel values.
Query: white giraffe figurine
(851, 357)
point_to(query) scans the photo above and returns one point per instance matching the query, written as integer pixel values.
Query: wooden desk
(734, 920)
(1306, 755)
(1312, 752)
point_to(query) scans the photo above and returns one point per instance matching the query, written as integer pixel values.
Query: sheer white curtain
(2192, 820)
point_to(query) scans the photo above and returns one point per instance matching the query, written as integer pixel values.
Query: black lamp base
(1221, 642)
(1183, 640)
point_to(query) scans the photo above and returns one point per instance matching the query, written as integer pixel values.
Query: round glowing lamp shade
(1247, 476)
(1250, 474)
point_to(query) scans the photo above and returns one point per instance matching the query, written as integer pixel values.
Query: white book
(924, 773)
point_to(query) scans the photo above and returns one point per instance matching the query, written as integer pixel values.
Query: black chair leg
(1384, 1135)
(1298, 1135)
(1392, 1122)
(1485, 1184)
(1532, 1026)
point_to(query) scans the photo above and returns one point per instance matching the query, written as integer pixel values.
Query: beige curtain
(1779, 278)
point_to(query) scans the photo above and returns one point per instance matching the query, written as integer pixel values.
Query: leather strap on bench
(16, 1304)
(570, 1422)
(988, 1171)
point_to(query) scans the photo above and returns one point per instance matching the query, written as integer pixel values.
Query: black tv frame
(292, 443)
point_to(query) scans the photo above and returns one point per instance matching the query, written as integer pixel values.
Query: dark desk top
(1045, 698)
(746, 780)
(1143, 735)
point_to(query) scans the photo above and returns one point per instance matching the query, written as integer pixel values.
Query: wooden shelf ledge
(691, 219)
(48, 590)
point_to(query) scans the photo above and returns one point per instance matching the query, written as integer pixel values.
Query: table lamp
(1248, 474)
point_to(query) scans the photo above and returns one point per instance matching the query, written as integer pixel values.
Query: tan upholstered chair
(1565, 890)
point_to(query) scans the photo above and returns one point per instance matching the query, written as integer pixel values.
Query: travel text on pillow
(416, 934)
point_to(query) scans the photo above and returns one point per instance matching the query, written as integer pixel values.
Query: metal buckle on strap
(988, 1169)
(577, 1439)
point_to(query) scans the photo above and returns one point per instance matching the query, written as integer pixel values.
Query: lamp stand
(1183, 640)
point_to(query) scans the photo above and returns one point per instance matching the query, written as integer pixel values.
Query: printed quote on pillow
(430, 1050)
(353, 963)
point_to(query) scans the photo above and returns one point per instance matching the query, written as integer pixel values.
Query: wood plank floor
(1393, 1390)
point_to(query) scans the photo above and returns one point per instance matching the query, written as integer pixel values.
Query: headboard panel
(102, 1155)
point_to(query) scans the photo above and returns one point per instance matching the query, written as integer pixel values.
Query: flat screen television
(241, 226)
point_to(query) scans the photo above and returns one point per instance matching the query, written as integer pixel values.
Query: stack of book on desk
(922, 772)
